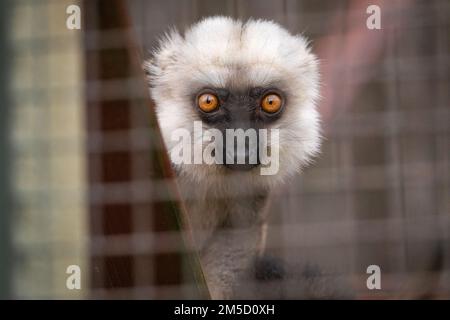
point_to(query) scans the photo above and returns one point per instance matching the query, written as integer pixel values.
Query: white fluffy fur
(225, 53)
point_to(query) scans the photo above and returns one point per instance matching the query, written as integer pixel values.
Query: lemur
(230, 74)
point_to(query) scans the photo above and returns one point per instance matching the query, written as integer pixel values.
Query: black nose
(242, 156)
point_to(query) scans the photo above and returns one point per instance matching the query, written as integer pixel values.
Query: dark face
(252, 109)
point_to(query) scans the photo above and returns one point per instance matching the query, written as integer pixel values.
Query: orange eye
(208, 102)
(271, 103)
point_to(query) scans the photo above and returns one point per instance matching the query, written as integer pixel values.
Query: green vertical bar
(5, 155)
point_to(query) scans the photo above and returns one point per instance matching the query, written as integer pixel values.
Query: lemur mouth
(241, 167)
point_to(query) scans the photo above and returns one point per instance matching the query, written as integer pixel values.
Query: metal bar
(5, 180)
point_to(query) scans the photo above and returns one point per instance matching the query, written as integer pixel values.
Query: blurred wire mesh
(82, 182)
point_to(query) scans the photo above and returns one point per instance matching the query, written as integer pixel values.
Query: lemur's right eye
(207, 102)
(271, 103)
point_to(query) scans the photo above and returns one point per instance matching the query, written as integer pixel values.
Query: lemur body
(229, 74)
(227, 237)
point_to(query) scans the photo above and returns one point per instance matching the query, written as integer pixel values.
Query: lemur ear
(164, 59)
(166, 54)
(146, 65)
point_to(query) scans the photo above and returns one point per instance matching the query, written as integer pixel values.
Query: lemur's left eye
(271, 103)
(208, 102)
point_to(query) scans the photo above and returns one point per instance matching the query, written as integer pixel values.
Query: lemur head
(227, 74)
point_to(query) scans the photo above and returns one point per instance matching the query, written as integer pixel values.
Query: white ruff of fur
(225, 53)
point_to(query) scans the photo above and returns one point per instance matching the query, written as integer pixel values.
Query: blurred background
(84, 178)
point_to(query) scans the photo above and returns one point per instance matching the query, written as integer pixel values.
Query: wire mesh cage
(87, 180)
